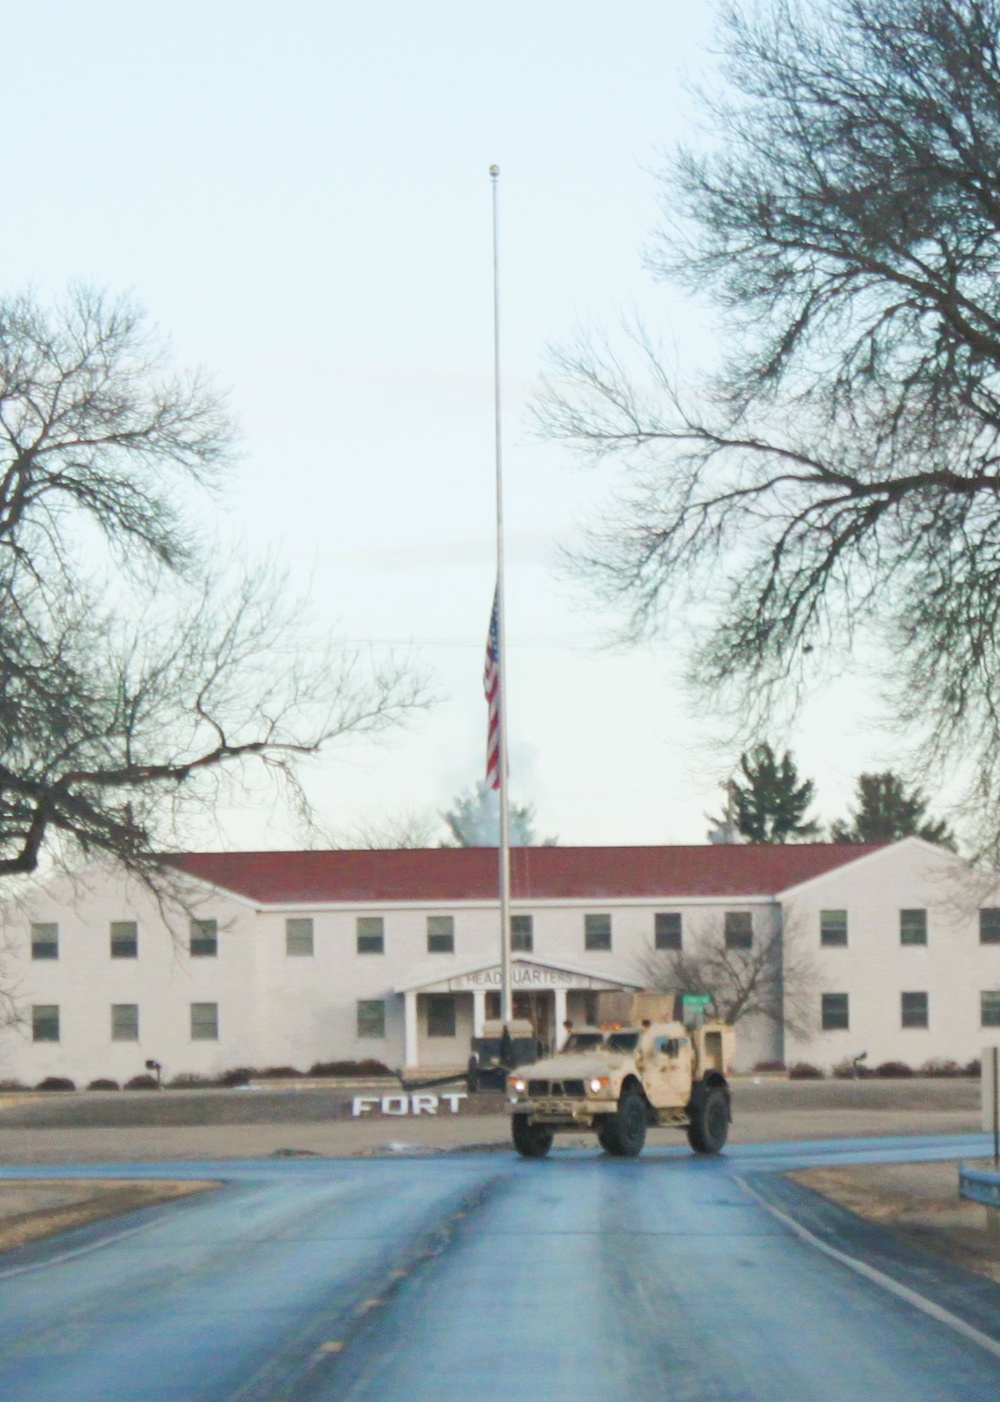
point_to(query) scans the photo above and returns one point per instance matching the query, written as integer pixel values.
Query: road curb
(985, 1295)
(979, 1184)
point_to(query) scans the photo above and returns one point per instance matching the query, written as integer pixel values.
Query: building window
(912, 928)
(914, 1009)
(835, 1016)
(667, 929)
(204, 939)
(989, 1009)
(832, 928)
(739, 929)
(124, 939)
(45, 1022)
(45, 943)
(298, 938)
(597, 931)
(371, 934)
(989, 925)
(204, 1022)
(124, 1022)
(371, 1017)
(440, 934)
(440, 1015)
(522, 933)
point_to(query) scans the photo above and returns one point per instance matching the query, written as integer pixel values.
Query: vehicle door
(666, 1070)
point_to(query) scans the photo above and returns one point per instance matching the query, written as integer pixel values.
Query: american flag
(491, 685)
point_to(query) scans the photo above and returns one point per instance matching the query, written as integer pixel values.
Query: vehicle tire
(709, 1127)
(607, 1139)
(624, 1133)
(530, 1141)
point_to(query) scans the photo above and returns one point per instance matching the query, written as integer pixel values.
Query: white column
(478, 1011)
(560, 1015)
(410, 1028)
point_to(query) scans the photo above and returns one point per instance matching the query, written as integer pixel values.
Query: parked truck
(492, 1058)
(618, 1081)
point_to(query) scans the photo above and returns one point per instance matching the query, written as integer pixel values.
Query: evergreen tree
(474, 821)
(770, 803)
(885, 811)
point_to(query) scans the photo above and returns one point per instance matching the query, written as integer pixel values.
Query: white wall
(279, 1010)
(875, 968)
(163, 981)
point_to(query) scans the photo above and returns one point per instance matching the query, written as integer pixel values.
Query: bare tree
(137, 683)
(408, 828)
(839, 475)
(12, 1011)
(774, 977)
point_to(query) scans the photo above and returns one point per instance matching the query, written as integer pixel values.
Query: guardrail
(979, 1185)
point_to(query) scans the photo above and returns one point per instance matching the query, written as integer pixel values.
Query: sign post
(990, 1097)
(694, 1006)
(996, 1109)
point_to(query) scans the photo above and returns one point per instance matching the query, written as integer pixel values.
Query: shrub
(804, 1071)
(769, 1066)
(56, 1083)
(893, 1070)
(189, 1080)
(12, 1085)
(277, 1073)
(937, 1066)
(103, 1083)
(238, 1076)
(142, 1082)
(973, 1067)
(367, 1067)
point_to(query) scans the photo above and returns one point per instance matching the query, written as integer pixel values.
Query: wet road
(479, 1276)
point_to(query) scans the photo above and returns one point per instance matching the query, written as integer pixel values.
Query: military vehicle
(491, 1061)
(619, 1081)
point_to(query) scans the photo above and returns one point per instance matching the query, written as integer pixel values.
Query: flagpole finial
(494, 171)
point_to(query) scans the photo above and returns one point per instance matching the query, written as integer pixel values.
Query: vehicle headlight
(596, 1084)
(516, 1085)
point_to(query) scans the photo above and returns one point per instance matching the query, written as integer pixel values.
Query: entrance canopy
(528, 974)
(542, 984)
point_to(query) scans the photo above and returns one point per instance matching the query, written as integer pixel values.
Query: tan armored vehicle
(620, 1081)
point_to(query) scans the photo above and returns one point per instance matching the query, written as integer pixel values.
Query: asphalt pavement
(578, 1278)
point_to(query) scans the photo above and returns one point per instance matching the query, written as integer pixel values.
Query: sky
(299, 195)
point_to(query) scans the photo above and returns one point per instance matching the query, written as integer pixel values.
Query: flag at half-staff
(491, 685)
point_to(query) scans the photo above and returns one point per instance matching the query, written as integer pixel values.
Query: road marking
(903, 1292)
(334, 1346)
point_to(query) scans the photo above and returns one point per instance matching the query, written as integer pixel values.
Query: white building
(291, 958)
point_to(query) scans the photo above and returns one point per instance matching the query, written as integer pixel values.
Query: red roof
(442, 874)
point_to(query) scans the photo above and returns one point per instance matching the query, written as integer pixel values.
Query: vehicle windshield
(622, 1041)
(582, 1041)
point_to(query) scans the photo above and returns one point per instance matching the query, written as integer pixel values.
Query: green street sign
(697, 1000)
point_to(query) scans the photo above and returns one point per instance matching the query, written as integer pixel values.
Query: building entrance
(536, 1005)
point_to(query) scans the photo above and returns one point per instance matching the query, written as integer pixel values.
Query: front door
(666, 1071)
(536, 1007)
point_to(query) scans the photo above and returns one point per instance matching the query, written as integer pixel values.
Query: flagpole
(506, 1001)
